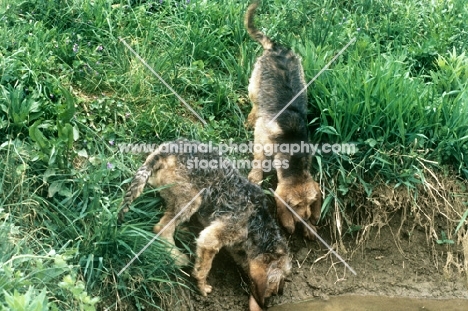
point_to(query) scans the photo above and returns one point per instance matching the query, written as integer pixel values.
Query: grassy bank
(71, 92)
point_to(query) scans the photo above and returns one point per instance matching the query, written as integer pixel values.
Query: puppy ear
(294, 200)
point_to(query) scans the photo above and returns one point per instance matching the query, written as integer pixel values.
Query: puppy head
(303, 197)
(267, 273)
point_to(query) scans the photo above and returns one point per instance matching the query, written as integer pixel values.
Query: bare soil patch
(410, 268)
(407, 248)
(402, 244)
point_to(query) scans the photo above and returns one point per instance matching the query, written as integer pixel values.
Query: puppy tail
(138, 183)
(254, 33)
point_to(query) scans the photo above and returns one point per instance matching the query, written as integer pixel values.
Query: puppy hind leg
(254, 87)
(165, 228)
(169, 222)
(252, 117)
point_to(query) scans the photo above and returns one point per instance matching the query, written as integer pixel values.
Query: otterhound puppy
(232, 211)
(276, 79)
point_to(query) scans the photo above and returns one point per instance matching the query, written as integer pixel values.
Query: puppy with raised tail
(276, 79)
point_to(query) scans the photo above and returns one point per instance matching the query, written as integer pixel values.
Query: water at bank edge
(375, 303)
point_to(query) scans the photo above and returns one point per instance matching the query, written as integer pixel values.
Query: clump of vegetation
(71, 93)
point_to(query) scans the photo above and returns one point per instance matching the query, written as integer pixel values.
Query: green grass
(70, 92)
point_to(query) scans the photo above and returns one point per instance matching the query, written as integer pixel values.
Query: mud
(407, 264)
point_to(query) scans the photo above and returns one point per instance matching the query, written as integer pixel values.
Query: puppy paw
(287, 221)
(180, 259)
(157, 228)
(205, 289)
(307, 233)
(255, 176)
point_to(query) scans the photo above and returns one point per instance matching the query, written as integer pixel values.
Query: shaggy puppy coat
(232, 210)
(276, 79)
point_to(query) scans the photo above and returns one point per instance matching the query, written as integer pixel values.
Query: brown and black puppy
(276, 79)
(231, 209)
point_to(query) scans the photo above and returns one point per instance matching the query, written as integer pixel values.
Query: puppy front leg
(306, 230)
(256, 174)
(208, 245)
(315, 212)
(286, 218)
(202, 268)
